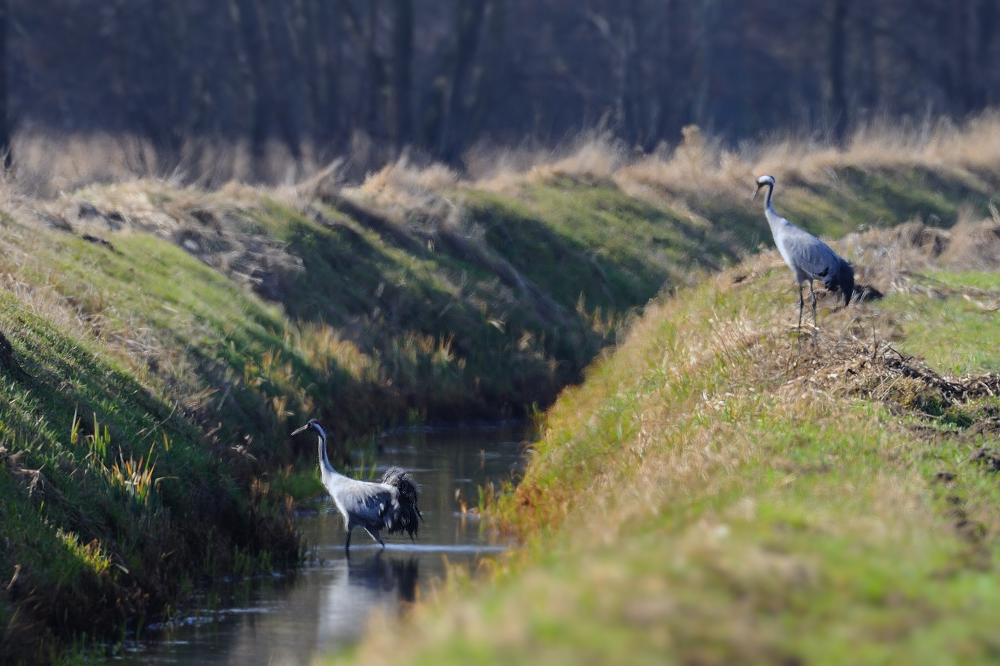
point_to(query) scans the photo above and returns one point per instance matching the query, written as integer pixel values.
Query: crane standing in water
(808, 257)
(390, 504)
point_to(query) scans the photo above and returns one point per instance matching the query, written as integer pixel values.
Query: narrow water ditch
(323, 607)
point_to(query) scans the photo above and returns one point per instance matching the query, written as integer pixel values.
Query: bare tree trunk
(667, 89)
(985, 27)
(492, 53)
(375, 66)
(964, 84)
(269, 92)
(373, 81)
(469, 20)
(870, 54)
(4, 127)
(629, 96)
(836, 64)
(186, 101)
(401, 107)
(704, 66)
(281, 101)
(316, 31)
(304, 61)
(248, 54)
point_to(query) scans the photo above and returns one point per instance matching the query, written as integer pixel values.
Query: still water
(323, 607)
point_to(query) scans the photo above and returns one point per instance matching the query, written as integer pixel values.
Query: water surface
(323, 607)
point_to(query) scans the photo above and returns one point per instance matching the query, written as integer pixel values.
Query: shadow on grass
(95, 540)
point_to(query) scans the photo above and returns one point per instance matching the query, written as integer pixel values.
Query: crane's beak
(755, 193)
(302, 429)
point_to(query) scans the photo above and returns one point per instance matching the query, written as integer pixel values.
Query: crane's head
(763, 181)
(313, 423)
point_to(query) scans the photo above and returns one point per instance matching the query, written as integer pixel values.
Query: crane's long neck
(768, 206)
(774, 220)
(324, 463)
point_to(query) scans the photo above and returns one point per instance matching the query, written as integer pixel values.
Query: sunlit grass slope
(720, 490)
(115, 496)
(189, 331)
(171, 338)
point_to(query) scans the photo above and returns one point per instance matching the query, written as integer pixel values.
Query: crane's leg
(801, 304)
(812, 294)
(347, 546)
(375, 535)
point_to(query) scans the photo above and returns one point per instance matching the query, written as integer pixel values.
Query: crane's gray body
(808, 257)
(370, 506)
(390, 505)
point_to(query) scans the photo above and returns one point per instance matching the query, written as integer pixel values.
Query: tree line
(440, 75)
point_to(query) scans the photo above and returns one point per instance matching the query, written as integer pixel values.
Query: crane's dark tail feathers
(846, 281)
(408, 517)
(843, 279)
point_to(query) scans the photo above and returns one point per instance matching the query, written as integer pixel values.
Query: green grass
(94, 533)
(686, 506)
(196, 379)
(957, 331)
(885, 197)
(198, 362)
(850, 198)
(574, 239)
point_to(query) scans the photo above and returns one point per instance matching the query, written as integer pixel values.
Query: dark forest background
(341, 76)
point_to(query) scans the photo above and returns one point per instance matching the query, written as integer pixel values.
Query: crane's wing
(374, 503)
(812, 256)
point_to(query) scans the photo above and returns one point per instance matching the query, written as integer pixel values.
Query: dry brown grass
(410, 195)
(217, 227)
(426, 197)
(49, 164)
(885, 257)
(703, 166)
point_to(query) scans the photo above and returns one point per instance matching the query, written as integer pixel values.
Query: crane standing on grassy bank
(808, 257)
(390, 505)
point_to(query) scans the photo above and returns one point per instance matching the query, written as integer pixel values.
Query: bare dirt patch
(987, 456)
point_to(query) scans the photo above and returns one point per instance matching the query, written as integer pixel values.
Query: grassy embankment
(165, 365)
(721, 491)
(171, 337)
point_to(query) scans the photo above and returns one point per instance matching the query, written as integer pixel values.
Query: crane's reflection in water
(365, 581)
(325, 606)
